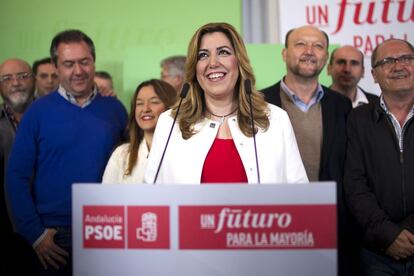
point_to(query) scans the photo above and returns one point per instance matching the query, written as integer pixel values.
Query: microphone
(183, 94)
(248, 87)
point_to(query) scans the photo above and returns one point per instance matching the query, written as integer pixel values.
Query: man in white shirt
(346, 67)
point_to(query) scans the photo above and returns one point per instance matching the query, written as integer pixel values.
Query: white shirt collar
(360, 98)
(67, 95)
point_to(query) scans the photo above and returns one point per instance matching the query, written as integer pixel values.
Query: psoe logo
(148, 230)
(148, 227)
(103, 227)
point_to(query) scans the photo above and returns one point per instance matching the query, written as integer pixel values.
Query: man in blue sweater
(64, 138)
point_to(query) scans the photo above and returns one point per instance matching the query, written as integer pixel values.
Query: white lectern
(204, 230)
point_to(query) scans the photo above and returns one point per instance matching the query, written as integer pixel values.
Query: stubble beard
(306, 74)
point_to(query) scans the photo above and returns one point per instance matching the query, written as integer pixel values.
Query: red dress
(223, 164)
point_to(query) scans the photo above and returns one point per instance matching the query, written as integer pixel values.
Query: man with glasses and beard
(318, 117)
(17, 92)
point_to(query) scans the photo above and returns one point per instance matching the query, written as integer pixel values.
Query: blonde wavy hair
(193, 107)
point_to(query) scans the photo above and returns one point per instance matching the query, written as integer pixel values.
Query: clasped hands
(402, 247)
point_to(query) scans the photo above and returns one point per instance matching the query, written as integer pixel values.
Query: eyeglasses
(19, 76)
(386, 63)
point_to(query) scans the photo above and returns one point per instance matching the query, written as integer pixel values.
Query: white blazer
(277, 151)
(117, 164)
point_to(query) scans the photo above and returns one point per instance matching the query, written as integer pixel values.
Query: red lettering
(323, 15)
(385, 11)
(379, 39)
(405, 37)
(342, 6)
(317, 15)
(386, 17)
(401, 8)
(368, 46)
(310, 19)
(357, 14)
(368, 43)
(358, 41)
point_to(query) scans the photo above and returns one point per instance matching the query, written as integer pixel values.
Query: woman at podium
(224, 131)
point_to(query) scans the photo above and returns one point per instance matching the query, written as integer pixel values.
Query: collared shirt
(360, 98)
(67, 95)
(399, 131)
(316, 98)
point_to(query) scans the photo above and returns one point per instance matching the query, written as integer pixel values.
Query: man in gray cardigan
(17, 92)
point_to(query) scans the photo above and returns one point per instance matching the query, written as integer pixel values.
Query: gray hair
(175, 65)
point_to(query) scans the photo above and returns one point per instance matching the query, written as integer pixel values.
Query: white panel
(150, 262)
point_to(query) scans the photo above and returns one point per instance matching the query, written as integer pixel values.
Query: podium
(204, 230)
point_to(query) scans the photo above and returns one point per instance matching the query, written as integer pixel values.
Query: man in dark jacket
(346, 67)
(318, 117)
(379, 171)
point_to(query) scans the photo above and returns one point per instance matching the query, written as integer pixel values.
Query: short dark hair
(291, 31)
(375, 52)
(103, 75)
(331, 58)
(39, 62)
(69, 36)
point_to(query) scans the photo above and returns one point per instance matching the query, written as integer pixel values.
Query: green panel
(131, 37)
(27, 28)
(267, 63)
(143, 63)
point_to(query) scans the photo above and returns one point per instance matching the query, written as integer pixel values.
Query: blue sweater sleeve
(18, 179)
(44, 162)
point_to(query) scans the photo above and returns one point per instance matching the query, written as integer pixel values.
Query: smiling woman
(219, 122)
(128, 162)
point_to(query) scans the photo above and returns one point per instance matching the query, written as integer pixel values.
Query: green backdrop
(131, 36)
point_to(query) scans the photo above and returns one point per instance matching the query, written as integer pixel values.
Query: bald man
(346, 67)
(17, 91)
(318, 117)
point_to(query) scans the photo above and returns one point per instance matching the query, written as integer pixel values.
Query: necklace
(222, 117)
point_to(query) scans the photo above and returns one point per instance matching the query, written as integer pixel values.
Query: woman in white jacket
(213, 140)
(128, 161)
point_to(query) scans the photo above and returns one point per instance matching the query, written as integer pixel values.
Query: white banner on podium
(204, 230)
